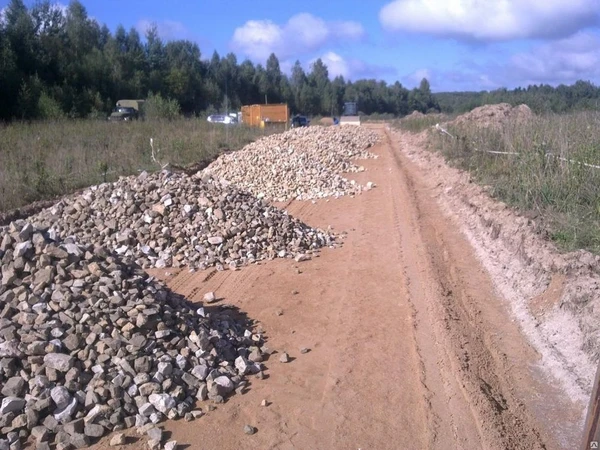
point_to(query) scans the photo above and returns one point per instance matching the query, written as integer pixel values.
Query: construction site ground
(410, 345)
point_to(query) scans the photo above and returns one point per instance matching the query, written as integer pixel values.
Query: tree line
(582, 95)
(58, 63)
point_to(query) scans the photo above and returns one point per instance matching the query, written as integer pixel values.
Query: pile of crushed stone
(174, 220)
(302, 164)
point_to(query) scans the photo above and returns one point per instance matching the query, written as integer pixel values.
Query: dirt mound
(494, 116)
(326, 121)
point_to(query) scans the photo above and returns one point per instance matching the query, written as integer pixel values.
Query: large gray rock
(12, 405)
(162, 402)
(13, 387)
(59, 361)
(61, 397)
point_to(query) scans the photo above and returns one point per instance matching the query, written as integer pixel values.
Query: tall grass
(418, 123)
(42, 160)
(564, 195)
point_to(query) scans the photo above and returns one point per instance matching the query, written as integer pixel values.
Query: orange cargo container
(260, 115)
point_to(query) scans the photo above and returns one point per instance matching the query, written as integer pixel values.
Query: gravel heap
(303, 163)
(89, 344)
(173, 220)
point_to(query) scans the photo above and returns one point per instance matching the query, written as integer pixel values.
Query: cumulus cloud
(563, 61)
(558, 62)
(167, 29)
(352, 69)
(302, 33)
(485, 20)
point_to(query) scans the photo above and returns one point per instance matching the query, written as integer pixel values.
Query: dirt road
(410, 347)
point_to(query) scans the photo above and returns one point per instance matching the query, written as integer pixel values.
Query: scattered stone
(249, 429)
(171, 445)
(284, 358)
(155, 434)
(209, 297)
(117, 439)
(264, 403)
(153, 444)
(302, 257)
(304, 350)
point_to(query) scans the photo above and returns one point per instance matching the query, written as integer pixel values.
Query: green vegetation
(563, 196)
(42, 160)
(581, 96)
(420, 122)
(55, 64)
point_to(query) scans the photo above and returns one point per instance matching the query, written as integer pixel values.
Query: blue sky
(456, 44)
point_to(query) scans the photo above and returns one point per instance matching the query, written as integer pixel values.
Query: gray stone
(224, 385)
(93, 430)
(117, 439)
(200, 372)
(61, 397)
(66, 413)
(14, 387)
(162, 402)
(12, 404)
(249, 429)
(155, 433)
(153, 444)
(59, 361)
(284, 358)
(209, 297)
(74, 427)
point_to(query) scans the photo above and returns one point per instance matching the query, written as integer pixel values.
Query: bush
(157, 107)
(49, 108)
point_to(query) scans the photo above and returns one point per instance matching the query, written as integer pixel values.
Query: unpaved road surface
(410, 347)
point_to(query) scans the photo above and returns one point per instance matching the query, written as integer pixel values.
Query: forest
(581, 96)
(61, 63)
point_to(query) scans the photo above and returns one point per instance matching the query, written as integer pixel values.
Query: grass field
(42, 160)
(565, 195)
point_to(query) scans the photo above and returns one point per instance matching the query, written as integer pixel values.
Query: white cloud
(351, 69)
(3, 14)
(416, 77)
(336, 65)
(563, 61)
(167, 29)
(491, 20)
(558, 62)
(302, 33)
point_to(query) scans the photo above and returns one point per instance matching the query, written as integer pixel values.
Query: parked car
(221, 118)
(123, 113)
(300, 121)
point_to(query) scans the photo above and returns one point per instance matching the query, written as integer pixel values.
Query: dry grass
(43, 160)
(564, 196)
(418, 123)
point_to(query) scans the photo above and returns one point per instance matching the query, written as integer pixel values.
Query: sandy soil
(411, 346)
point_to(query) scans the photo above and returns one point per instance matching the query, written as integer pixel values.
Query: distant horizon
(522, 43)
